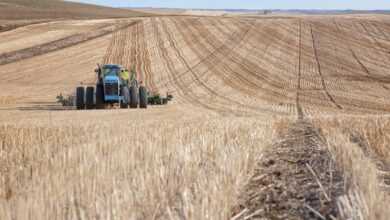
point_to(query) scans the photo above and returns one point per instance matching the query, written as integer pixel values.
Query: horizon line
(249, 9)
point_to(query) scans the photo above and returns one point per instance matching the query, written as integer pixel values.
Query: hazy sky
(248, 4)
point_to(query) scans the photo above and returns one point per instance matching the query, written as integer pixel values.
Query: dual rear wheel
(85, 98)
(80, 93)
(138, 97)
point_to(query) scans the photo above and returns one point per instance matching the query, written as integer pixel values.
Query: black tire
(126, 97)
(143, 97)
(80, 93)
(89, 102)
(99, 96)
(133, 97)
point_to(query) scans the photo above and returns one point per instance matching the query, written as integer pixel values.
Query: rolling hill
(51, 9)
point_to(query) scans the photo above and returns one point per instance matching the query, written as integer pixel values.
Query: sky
(248, 4)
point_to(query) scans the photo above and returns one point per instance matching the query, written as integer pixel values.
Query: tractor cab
(110, 83)
(110, 70)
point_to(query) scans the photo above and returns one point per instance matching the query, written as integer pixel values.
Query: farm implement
(114, 87)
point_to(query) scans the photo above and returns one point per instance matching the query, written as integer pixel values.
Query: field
(272, 118)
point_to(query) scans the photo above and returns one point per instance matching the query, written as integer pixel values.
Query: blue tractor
(112, 89)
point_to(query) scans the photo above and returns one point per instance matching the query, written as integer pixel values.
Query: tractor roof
(111, 66)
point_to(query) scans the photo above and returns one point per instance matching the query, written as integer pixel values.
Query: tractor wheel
(89, 103)
(133, 97)
(80, 93)
(143, 97)
(126, 97)
(99, 96)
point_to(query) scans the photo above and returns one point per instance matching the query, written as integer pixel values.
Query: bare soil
(294, 179)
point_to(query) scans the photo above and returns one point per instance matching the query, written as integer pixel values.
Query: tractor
(111, 89)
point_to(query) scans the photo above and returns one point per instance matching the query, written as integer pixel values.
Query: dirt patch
(69, 41)
(296, 180)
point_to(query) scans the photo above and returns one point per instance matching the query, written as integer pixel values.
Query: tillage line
(298, 104)
(320, 71)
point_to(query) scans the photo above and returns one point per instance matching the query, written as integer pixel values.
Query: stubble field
(271, 118)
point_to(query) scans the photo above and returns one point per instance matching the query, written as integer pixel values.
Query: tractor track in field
(129, 48)
(126, 57)
(354, 39)
(362, 66)
(244, 65)
(237, 57)
(302, 94)
(210, 59)
(365, 74)
(380, 30)
(252, 88)
(375, 26)
(224, 101)
(114, 53)
(149, 80)
(229, 77)
(186, 93)
(184, 61)
(116, 50)
(320, 71)
(289, 76)
(377, 43)
(14, 56)
(134, 52)
(205, 60)
(298, 96)
(356, 70)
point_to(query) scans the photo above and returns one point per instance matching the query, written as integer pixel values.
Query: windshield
(111, 71)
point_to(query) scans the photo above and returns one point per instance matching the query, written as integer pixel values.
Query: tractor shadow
(43, 106)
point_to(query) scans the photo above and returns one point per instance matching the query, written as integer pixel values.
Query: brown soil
(295, 179)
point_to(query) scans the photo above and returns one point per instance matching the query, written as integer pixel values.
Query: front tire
(89, 98)
(133, 97)
(143, 97)
(80, 93)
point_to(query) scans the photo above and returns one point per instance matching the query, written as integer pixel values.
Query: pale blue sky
(248, 4)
